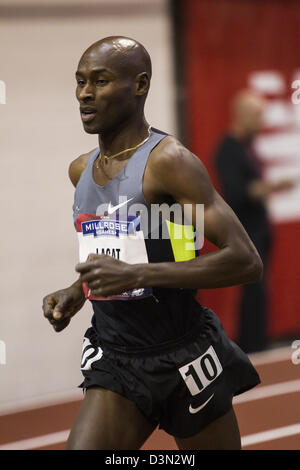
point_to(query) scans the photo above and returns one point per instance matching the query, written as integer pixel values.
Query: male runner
(153, 355)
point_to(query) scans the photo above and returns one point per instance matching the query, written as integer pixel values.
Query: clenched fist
(106, 276)
(60, 306)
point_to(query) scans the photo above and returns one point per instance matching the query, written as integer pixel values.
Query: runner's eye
(101, 82)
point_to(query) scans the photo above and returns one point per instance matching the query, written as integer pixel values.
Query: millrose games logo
(114, 228)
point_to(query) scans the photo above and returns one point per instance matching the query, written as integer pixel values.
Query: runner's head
(247, 109)
(113, 79)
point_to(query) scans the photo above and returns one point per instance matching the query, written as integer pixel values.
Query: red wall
(224, 41)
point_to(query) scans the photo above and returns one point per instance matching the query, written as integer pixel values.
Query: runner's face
(105, 93)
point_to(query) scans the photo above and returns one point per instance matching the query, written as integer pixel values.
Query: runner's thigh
(221, 434)
(107, 421)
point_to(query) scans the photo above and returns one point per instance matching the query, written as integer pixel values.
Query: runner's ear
(142, 84)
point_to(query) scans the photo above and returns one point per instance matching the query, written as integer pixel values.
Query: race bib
(121, 239)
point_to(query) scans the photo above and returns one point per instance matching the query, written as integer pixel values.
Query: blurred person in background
(239, 172)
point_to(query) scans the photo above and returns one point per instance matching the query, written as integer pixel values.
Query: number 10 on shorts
(201, 372)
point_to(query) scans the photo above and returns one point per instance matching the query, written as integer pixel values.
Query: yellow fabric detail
(182, 241)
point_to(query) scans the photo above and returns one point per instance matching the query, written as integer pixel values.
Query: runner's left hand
(106, 276)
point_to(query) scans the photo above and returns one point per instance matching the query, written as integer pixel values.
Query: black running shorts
(181, 386)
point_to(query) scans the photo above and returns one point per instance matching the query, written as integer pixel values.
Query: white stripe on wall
(62, 436)
(268, 357)
(35, 442)
(270, 435)
(267, 391)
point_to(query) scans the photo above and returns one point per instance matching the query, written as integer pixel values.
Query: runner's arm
(182, 176)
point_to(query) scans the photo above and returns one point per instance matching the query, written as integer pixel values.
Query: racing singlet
(116, 220)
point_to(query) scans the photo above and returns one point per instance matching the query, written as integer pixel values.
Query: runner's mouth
(87, 115)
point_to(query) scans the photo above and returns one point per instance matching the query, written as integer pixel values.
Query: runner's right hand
(60, 306)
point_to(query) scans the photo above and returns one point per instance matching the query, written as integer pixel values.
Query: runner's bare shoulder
(77, 166)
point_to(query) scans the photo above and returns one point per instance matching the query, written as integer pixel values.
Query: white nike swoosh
(112, 209)
(195, 410)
